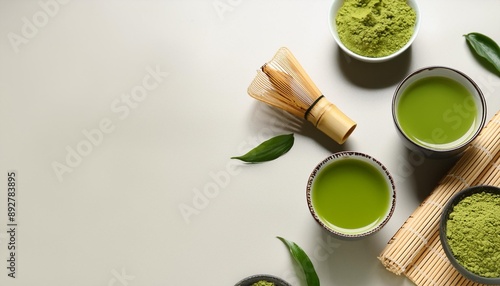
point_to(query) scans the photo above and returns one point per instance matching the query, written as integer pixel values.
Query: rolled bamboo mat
(415, 249)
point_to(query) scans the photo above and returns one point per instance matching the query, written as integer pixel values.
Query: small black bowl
(442, 232)
(262, 277)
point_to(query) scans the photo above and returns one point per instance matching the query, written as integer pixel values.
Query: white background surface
(114, 218)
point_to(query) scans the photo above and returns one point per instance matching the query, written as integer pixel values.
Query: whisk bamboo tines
(283, 83)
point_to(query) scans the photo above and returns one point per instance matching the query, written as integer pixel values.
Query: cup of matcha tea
(351, 194)
(438, 111)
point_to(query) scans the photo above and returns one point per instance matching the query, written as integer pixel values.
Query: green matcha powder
(263, 283)
(473, 232)
(375, 28)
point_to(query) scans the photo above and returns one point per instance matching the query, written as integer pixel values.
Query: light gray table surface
(120, 118)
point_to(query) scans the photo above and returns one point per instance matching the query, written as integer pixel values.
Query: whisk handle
(306, 114)
(330, 120)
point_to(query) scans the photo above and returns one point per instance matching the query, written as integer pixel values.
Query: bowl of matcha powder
(262, 280)
(374, 30)
(470, 233)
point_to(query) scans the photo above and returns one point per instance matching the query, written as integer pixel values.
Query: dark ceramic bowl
(262, 277)
(444, 241)
(369, 229)
(437, 151)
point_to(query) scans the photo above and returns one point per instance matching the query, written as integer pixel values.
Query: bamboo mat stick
(432, 267)
(478, 164)
(491, 176)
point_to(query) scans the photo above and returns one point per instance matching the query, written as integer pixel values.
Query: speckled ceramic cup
(351, 195)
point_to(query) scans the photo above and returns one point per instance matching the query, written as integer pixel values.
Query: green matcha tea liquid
(437, 112)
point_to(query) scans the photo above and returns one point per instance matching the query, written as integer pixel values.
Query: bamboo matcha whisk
(283, 83)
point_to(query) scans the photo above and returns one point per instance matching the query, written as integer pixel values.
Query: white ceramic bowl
(333, 29)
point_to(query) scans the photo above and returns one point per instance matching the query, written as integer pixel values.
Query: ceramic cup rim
(335, 6)
(446, 72)
(359, 156)
(455, 199)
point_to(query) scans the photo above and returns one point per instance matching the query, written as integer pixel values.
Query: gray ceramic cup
(450, 113)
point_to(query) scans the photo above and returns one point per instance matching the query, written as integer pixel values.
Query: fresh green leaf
(485, 47)
(269, 149)
(303, 260)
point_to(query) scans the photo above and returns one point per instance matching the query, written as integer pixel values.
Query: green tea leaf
(268, 150)
(303, 260)
(485, 47)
